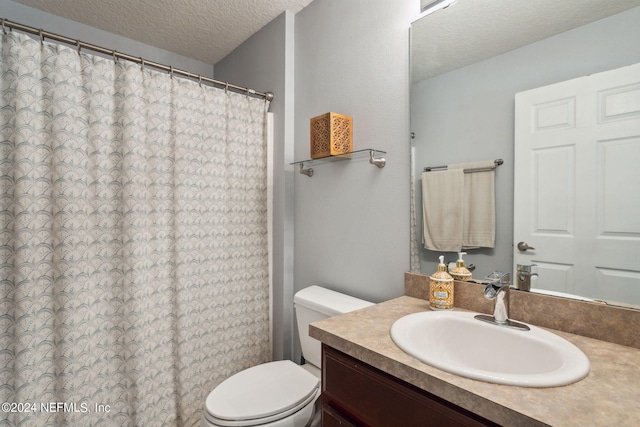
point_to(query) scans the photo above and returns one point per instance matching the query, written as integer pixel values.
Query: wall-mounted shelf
(374, 159)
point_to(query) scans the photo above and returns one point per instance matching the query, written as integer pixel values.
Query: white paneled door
(577, 185)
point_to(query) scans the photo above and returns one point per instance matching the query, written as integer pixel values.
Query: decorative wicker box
(331, 134)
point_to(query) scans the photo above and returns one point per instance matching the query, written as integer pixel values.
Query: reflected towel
(442, 210)
(479, 213)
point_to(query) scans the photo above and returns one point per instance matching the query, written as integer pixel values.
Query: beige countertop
(608, 396)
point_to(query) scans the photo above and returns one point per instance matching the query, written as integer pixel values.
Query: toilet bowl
(280, 393)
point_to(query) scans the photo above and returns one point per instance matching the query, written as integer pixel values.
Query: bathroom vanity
(355, 393)
(368, 380)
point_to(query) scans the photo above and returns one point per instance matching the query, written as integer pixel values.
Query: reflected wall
(468, 114)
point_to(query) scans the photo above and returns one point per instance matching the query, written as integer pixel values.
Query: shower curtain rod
(82, 45)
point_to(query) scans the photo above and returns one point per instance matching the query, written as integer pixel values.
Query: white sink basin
(455, 342)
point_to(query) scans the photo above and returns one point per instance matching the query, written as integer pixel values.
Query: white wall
(468, 114)
(351, 218)
(265, 63)
(31, 17)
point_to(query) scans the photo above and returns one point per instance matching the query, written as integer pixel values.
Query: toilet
(281, 393)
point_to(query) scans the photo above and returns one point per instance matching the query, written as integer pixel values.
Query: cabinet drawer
(370, 397)
(332, 418)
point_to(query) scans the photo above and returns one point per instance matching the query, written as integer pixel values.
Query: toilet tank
(316, 303)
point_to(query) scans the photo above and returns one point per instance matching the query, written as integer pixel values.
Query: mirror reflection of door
(577, 180)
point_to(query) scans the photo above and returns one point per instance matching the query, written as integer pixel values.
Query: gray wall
(31, 17)
(265, 63)
(351, 226)
(468, 114)
(351, 218)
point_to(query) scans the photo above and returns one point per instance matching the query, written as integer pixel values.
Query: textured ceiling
(206, 30)
(472, 30)
(462, 34)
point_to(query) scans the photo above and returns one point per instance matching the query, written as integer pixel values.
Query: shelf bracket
(378, 161)
(308, 171)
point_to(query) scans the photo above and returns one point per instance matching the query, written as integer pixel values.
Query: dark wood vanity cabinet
(356, 394)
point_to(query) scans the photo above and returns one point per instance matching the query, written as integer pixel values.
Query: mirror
(469, 60)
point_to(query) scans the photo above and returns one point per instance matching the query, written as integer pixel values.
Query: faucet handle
(499, 279)
(525, 268)
(496, 282)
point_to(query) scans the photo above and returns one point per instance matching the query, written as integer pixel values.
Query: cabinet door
(369, 397)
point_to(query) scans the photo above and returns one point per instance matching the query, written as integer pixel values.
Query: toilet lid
(262, 391)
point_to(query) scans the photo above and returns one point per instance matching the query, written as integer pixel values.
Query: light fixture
(430, 6)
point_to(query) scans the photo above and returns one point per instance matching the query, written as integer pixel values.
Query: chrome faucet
(497, 289)
(524, 275)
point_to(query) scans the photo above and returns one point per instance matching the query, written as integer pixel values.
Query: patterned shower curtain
(133, 240)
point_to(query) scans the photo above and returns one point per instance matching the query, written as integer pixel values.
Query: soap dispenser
(441, 288)
(460, 272)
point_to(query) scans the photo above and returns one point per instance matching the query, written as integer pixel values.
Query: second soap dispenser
(460, 272)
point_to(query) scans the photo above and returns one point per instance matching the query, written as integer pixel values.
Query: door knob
(522, 246)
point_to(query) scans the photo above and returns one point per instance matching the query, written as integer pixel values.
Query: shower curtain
(133, 246)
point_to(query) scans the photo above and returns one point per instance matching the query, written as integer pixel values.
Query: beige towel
(442, 210)
(479, 216)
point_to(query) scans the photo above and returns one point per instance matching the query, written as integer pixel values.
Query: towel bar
(496, 163)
